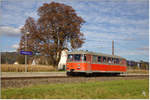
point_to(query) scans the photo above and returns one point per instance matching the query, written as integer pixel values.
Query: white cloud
(125, 21)
(98, 35)
(10, 31)
(145, 48)
(134, 53)
(15, 46)
(129, 1)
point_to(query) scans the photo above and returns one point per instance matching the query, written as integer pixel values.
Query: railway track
(19, 82)
(32, 77)
(42, 77)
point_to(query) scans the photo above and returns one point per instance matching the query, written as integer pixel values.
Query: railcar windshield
(70, 58)
(76, 57)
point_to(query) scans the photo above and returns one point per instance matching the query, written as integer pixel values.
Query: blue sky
(124, 21)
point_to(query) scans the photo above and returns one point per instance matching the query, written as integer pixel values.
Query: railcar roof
(94, 53)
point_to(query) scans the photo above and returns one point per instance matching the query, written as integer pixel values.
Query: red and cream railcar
(90, 62)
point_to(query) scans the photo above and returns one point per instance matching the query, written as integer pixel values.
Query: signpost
(26, 53)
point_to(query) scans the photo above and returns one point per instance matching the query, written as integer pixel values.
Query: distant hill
(9, 57)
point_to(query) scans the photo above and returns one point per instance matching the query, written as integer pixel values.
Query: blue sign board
(26, 52)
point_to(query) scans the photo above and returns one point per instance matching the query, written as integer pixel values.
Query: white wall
(63, 59)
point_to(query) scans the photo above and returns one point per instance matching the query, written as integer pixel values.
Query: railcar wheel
(88, 74)
(69, 74)
(115, 74)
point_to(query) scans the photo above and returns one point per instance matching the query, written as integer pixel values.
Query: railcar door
(89, 59)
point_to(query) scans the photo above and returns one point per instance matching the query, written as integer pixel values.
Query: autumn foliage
(57, 26)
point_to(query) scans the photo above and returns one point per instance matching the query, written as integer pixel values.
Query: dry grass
(46, 68)
(138, 71)
(21, 68)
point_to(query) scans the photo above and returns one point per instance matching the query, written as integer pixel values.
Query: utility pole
(6, 57)
(112, 47)
(26, 50)
(0, 68)
(0, 59)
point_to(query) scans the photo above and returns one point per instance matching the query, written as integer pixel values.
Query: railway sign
(26, 52)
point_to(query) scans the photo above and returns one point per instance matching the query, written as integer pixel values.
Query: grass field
(122, 89)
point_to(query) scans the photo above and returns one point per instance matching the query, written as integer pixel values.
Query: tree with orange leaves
(57, 25)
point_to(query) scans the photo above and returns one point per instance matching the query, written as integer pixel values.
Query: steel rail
(32, 77)
(40, 77)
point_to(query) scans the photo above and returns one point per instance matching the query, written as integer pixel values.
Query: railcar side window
(94, 59)
(109, 60)
(120, 62)
(112, 60)
(104, 59)
(99, 59)
(77, 57)
(84, 59)
(70, 57)
(124, 62)
(116, 61)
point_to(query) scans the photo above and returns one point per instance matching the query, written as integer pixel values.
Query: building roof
(94, 53)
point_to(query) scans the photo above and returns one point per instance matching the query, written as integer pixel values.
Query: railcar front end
(76, 63)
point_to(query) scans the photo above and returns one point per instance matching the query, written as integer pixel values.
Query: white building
(63, 59)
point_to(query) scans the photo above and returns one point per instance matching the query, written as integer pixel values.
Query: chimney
(112, 47)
